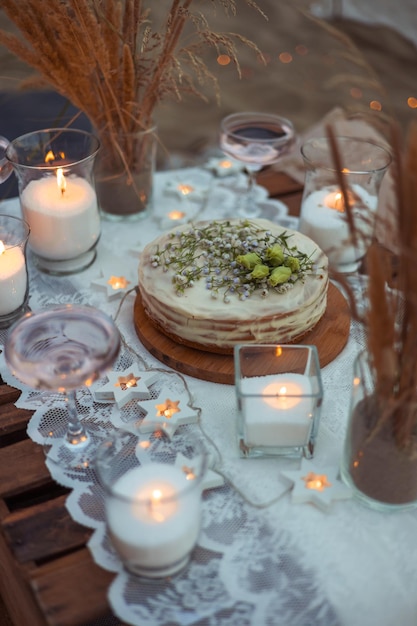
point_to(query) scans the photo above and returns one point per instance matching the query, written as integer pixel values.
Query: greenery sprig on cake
(234, 259)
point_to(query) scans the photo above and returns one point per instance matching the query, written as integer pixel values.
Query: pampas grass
(391, 318)
(112, 62)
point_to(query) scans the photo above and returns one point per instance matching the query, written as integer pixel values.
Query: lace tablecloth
(261, 559)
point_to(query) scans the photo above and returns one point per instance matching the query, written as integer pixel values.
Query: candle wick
(62, 191)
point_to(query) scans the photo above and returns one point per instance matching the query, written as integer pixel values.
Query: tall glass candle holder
(54, 169)
(14, 283)
(279, 396)
(152, 489)
(323, 215)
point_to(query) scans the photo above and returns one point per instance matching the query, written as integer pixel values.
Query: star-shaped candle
(114, 285)
(124, 386)
(185, 190)
(319, 486)
(224, 166)
(168, 410)
(211, 479)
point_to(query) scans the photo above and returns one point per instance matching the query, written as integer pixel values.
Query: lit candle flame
(316, 482)
(60, 179)
(118, 282)
(225, 164)
(127, 382)
(189, 472)
(336, 201)
(176, 215)
(185, 189)
(2, 247)
(155, 502)
(51, 156)
(168, 409)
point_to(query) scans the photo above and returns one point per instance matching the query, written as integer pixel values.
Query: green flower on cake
(234, 259)
(279, 275)
(293, 263)
(249, 260)
(275, 255)
(260, 271)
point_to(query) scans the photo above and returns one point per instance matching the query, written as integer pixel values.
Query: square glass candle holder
(279, 396)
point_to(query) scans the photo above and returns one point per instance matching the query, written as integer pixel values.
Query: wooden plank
(15, 589)
(22, 467)
(282, 187)
(278, 184)
(13, 419)
(8, 394)
(72, 590)
(43, 531)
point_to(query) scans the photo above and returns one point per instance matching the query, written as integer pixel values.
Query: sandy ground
(312, 66)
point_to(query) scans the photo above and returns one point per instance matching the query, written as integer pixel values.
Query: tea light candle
(13, 278)
(323, 219)
(278, 411)
(62, 214)
(222, 167)
(155, 521)
(186, 191)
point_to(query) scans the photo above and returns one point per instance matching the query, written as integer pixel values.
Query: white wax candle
(13, 278)
(147, 530)
(276, 413)
(324, 220)
(65, 224)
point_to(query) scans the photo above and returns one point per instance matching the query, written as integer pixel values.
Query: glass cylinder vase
(379, 460)
(125, 174)
(323, 216)
(152, 488)
(54, 169)
(14, 282)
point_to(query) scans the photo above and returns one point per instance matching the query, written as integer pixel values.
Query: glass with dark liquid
(255, 139)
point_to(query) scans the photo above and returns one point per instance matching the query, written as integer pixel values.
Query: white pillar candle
(324, 220)
(64, 222)
(13, 278)
(277, 410)
(155, 523)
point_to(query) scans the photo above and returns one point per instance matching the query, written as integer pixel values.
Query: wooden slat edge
(43, 531)
(22, 467)
(72, 591)
(16, 591)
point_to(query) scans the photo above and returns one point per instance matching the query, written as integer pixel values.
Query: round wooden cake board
(330, 336)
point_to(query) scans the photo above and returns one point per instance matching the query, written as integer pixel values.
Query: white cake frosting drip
(197, 319)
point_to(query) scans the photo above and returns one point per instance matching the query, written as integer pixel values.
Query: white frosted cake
(214, 284)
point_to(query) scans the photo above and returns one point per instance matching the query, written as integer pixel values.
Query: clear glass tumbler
(54, 169)
(14, 283)
(152, 489)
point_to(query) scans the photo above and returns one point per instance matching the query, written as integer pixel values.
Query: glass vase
(54, 170)
(378, 463)
(125, 174)
(323, 215)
